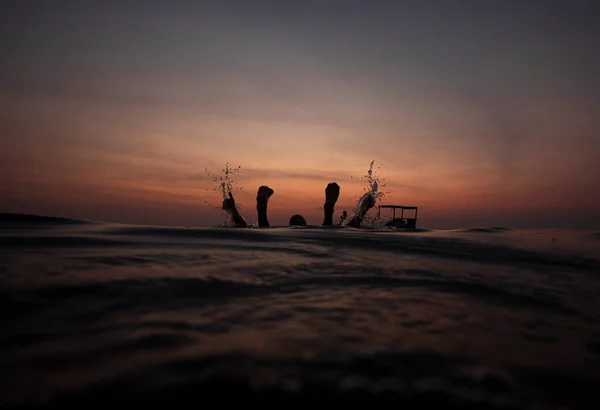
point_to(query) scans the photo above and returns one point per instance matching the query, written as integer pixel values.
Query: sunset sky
(482, 113)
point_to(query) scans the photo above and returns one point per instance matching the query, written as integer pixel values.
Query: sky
(482, 113)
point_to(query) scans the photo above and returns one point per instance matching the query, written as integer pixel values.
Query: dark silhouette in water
(262, 200)
(396, 223)
(229, 206)
(297, 220)
(332, 193)
(367, 203)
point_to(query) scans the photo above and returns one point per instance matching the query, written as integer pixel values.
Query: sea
(99, 314)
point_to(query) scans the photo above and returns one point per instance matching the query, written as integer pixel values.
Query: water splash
(371, 192)
(226, 183)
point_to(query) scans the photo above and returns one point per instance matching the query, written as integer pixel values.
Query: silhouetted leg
(366, 204)
(262, 199)
(332, 193)
(229, 206)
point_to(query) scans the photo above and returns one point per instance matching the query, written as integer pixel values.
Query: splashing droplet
(225, 184)
(371, 190)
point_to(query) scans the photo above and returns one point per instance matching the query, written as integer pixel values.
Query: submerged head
(297, 220)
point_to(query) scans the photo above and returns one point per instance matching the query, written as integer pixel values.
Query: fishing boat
(402, 221)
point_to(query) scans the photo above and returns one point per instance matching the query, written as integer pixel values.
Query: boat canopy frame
(401, 207)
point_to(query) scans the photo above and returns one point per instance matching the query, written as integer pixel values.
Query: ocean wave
(59, 241)
(170, 232)
(27, 219)
(460, 249)
(133, 292)
(469, 289)
(493, 229)
(101, 299)
(102, 313)
(314, 242)
(410, 379)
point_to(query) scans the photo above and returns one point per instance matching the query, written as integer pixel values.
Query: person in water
(229, 207)
(332, 193)
(343, 217)
(366, 202)
(262, 200)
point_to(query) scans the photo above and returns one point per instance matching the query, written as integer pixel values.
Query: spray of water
(224, 183)
(372, 188)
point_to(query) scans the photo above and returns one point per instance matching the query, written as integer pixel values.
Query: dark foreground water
(98, 314)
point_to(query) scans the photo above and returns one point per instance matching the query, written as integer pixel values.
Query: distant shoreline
(38, 219)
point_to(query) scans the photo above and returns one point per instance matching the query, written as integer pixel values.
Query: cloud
(268, 173)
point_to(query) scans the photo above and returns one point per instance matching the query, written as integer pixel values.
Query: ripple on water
(343, 313)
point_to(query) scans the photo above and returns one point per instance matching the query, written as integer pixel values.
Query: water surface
(96, 312)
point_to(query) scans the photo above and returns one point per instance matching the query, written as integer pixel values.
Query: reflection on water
(495, 316)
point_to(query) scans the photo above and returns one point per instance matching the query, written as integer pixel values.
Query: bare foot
(262, 200)
(332, 193)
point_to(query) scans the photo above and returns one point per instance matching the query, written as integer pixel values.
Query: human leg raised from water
(332, 193)
(366, 203)
(229, 206)
(262, 200)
